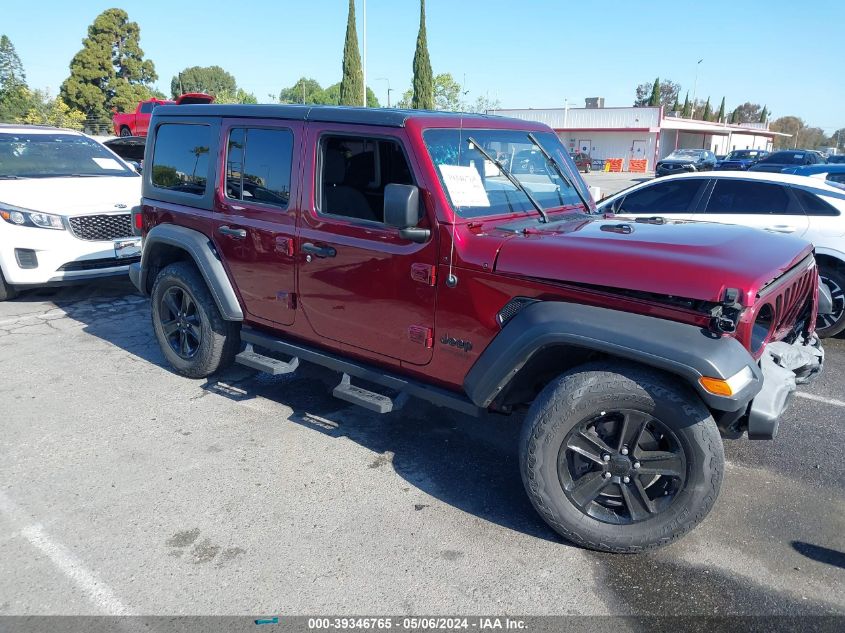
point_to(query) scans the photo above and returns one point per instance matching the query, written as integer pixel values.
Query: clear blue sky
(526, 53)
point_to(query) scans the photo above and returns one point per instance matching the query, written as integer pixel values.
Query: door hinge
(424, 273)
(288, 298)
(284, 246)
(422, 335)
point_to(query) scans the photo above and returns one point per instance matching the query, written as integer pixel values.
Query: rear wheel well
(159, 256)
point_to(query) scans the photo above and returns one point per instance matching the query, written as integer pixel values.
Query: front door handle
(318, 251)
(236, 233)
(782, 228)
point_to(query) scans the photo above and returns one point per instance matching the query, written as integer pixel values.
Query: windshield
(743, 153)
(685, 153)
(34, 155)
(476, 186)
(785, 158)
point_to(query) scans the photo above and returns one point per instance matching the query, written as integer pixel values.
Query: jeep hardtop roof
(389, 117)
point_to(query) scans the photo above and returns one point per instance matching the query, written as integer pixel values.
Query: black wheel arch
(546, 338)
(168, 243)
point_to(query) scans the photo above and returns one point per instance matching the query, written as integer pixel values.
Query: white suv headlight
(25, 217)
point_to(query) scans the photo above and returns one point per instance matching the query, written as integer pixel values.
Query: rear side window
(258, 165)
(813, 204)
(750, 198)
(180, 158)
(147, 107)
(669, 196)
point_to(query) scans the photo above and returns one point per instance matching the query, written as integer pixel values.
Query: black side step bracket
(369, 373)
(268, 365)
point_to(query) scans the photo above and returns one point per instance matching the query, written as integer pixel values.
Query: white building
(642, 133)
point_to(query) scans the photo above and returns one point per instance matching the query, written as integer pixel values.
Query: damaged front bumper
(784, 367)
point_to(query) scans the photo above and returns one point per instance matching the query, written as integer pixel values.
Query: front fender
(686, 351)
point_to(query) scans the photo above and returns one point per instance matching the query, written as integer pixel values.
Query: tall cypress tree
(352, 83)
(686, 111)
(705, 116)
(764, 115)
(721, 116)
(654, 100)
(423, 98)
(676, 107)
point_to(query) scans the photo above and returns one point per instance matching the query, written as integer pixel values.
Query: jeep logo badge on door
(456, 342)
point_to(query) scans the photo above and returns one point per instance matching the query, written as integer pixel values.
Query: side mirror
(402, 211)
(134, 164)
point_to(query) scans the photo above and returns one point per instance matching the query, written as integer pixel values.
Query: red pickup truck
(137, 123)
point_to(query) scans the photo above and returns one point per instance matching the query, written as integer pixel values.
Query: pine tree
(733, 118)
(676, 107)
(352, 82)
(764, 115)
(654, 100)
(687, 108)
(110, 70)
(705, 116)
(423, 98)
(721, 116)
(11, 68)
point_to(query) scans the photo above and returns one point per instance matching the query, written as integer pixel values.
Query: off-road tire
(125, 131)
(588, 391)
(6, 291)
(219, 339)
(835, 274)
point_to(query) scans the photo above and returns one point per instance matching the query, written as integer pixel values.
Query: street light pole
(388, 88)
(695, 87)
(364, 48)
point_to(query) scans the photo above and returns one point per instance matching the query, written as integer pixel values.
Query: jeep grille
(790, 297)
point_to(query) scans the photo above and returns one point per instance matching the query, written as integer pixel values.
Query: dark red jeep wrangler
(400, 249)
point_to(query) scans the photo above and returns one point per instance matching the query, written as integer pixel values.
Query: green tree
(747, 113)
(764, 115)
(423, 98)
(734, 117)
(54, 112)
(447, 93)
(676, 107)
(235, 96)
(352, 81)
(305, 90)
(110, 70)
(686, 112)
(669, 92)
(707, 112)
(11, 68)
(212, 80)
(721, 116)
(654, 99)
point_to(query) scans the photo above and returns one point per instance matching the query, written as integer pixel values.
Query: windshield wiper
(11, 177)
(559, 171)
(514, 181)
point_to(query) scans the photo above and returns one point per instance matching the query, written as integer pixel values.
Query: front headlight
(25, 217)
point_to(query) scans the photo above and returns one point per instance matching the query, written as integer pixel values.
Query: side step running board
(367, 399)
(404, 385)
(272, 366)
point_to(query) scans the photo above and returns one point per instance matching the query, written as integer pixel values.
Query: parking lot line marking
(95, 589)
(812, 396)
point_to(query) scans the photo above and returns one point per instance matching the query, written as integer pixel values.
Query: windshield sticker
(464, 186)
(107, 163)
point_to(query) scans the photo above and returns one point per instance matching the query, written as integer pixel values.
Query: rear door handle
(236, 233)
(318, 251)
(782, 228)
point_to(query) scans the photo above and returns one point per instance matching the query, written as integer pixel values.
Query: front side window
(180, 158)
(258, 165)
(749, 197)
(354, 171)
(477, 187)
(671, 196)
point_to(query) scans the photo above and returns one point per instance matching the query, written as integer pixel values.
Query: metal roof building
(642, 133)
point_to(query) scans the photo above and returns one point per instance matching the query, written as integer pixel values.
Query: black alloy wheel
(180, 322)
(833, 323)
(622, 467)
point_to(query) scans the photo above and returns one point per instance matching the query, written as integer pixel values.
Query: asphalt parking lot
(127, 489)
(610, 183)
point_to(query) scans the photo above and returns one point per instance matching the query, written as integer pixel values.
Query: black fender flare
(201, 250)
(686, 351)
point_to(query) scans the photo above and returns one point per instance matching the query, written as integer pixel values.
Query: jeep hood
(693, 260)
(72, 196)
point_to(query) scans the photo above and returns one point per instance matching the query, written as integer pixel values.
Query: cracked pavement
(125, 488)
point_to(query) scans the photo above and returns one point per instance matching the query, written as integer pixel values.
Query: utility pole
(364, 49)
(388, 88)
(695, 87)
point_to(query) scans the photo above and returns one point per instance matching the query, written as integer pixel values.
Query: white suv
(65, 208)
(782, 203)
